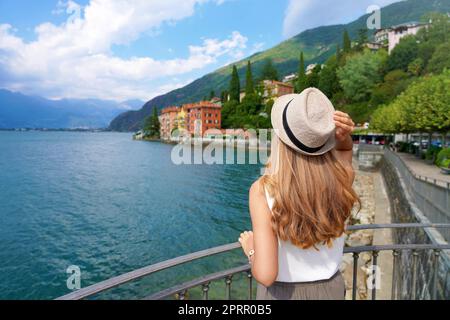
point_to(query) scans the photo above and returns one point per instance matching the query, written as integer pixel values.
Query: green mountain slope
(317, 44)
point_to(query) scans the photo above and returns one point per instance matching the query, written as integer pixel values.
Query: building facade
(275, 89)
(390, 37)
(381, 35)
(168, 121)
(398, 32)
(290, 78)
(202, 116)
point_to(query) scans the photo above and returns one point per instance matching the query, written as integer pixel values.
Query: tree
(269, 72)
(328, 82)
(360, 74)
(440, 59)
(312, 79)
(338, 53)
(235, 86)
(387, 119)
(422, 107)
(403, 54)
(346, 42)
(438, 31)
(433, 36)
(251, 103)
(426, 101)
(211, 94)
(224, 96)
(425, 52)
(229, 110)
(249, 88)
(362, 38)
(301, 84)
(415, 67)
(151, 124)
(395, 82)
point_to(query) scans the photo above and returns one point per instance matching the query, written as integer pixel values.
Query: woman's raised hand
(344, 125)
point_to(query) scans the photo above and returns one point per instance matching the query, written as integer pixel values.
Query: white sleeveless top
(304, 265)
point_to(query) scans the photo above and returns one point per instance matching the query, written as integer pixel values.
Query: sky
(139, 49)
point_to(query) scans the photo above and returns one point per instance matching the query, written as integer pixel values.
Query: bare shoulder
(257, 201)
(256, 189)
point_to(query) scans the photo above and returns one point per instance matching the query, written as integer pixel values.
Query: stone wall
(404, 210)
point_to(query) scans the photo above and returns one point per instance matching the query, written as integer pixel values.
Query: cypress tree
(301, 78)
(338, 53)
(347, 44)
(249, 88)
(269, 72)
(312, 80)
(362, 38)
(235, 87)
(152, 124)
(224, 96)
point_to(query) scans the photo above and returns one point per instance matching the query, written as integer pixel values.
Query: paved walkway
(383, 236)
(423, 169)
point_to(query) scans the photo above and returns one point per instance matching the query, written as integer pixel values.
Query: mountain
(21, 111)
(317, 44)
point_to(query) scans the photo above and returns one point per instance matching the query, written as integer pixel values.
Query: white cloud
(301, 15)
(75, 59)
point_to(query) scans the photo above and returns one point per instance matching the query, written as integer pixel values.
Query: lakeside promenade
(429, 172)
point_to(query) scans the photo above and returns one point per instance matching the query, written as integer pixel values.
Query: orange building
(202, 116)
(168, 121)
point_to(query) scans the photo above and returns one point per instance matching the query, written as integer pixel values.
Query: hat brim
(277, 125)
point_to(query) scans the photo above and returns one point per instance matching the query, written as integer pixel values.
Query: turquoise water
(109, 205)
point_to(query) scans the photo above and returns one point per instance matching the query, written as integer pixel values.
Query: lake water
(109, 205)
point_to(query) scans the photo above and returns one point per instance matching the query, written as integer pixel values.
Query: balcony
(419, 271)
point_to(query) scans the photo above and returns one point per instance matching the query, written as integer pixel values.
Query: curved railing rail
(204, 281)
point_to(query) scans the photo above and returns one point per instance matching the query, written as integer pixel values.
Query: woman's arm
(344, 141)
(262, 240)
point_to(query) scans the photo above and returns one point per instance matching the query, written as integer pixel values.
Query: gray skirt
(330, 289)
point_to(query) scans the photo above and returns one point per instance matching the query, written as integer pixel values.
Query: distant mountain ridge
(22, 111)
(318, 44)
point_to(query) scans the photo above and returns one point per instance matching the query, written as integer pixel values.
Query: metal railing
(431, 196)
(180, 290)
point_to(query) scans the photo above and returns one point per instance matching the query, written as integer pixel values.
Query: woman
(299, 207)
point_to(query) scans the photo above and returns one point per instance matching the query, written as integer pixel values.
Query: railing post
(228, 280)
(394, 291)
(205, 289)
(182, 295)
(355, 274)
(374, 274)
(250, 285)
(436, 253)
(415, 255)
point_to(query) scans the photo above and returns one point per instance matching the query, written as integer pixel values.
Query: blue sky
(142, 48)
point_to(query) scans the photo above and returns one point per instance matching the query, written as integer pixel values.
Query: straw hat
(305, 121)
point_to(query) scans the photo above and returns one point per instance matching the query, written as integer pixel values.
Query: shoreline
(226, 144)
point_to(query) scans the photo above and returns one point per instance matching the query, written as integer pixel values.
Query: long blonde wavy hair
(313, 195)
